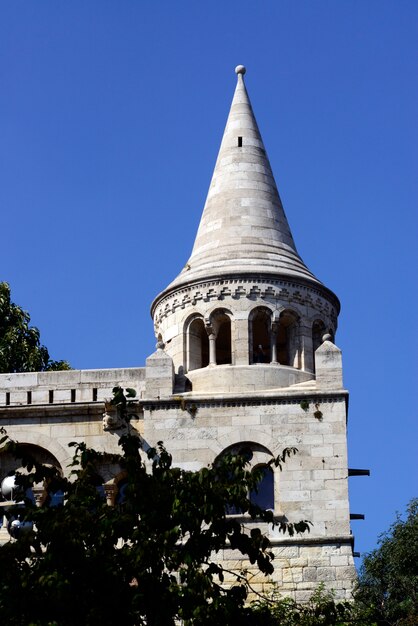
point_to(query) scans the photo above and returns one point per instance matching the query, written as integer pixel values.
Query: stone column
(241, 339)
(212, 344)
(273, 342)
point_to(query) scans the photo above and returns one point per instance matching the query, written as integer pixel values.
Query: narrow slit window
(239, 142)
(72, 395)
(51, 396)
(94, 394)
(7, 398)
(29, 397)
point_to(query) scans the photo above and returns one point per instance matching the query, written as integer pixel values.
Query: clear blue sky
(111, 115)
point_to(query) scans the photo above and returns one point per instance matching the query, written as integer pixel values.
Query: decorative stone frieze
(270, 290)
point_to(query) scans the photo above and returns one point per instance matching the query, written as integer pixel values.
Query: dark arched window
(198, 345)
(287, 338)
(258, 458)
(223, 339)
(263, 496)
(260, 336)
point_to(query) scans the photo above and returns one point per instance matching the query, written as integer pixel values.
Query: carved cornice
(337, 541)
(257, 287)
(250, 399)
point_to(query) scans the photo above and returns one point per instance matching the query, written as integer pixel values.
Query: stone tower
(244, 285)
(250, 332)
(245, 356)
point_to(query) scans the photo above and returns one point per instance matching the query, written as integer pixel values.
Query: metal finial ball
(17, 527)
(240, 69)
(9, 490)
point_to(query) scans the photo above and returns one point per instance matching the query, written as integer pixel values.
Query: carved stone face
(111, 421)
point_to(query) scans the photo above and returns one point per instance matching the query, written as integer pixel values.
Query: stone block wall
(300, 567)
(313, 484)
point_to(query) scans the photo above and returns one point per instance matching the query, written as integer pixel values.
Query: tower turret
(244, 297)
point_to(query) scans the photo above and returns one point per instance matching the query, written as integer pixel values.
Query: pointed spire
(243, 229)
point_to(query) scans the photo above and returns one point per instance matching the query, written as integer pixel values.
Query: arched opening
(257, 458)
(9, 465)
(223, 339)
(198, 345)
(263, 496)
(260, 336)
(287, 340)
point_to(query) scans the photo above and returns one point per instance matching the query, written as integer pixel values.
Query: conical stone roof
(243, 229)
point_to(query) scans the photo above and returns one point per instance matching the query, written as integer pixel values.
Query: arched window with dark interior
(258, 458)
(222, 323)
(9, 465)
(197, 345)
(287, 340)
(263, 496)
(38, 493)
(260, 335)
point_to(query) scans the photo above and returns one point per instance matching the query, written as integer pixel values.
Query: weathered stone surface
(244, 362)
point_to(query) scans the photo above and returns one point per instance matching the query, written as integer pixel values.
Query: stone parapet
(246, 378)
(67, 386)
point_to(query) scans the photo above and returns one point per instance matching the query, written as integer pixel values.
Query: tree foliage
(388, 583)
(320, 610)
(20, 347)
(153, 559)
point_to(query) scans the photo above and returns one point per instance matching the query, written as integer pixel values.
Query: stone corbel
(209, 326)
(111, 419)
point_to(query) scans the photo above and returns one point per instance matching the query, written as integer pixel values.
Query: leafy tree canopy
(153, 559)
(321, 610)
(20, 347)
(388, 583)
